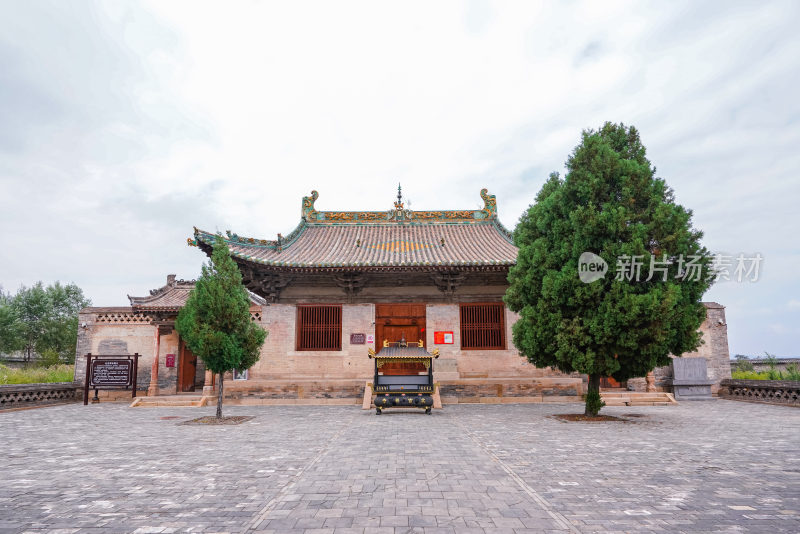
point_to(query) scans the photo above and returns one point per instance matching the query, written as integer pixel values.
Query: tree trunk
(219, 398)
(593, 401)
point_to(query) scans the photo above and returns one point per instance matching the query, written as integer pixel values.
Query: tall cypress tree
(215, 322)
(610, 204)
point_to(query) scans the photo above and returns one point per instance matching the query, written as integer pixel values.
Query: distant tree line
(41, 320)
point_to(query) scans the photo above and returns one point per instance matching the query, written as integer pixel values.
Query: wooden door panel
(392, 321)
(608, 382)
(187, 369)
(394, 333)
(400, 310)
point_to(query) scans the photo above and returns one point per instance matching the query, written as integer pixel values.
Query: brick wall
(714, 349)
(281, 360)
(123, 337)
(117, 331)
(479, 363)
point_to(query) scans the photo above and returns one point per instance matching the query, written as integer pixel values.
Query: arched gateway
(343, 282)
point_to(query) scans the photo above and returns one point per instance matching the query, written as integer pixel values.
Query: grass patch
(791, 373)
(36, 375)
(743, 369)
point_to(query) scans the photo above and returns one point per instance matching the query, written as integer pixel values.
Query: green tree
(38, 319)
(610, 204)
(215, 322)
(33, 310)
(61, 328)
(743, 363)
(10, 335)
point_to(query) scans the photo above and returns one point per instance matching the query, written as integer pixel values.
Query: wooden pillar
(153, 389)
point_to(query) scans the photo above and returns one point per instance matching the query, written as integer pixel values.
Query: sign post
(110, 372)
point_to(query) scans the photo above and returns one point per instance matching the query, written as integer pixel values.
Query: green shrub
(770, 359)
(793, 372)
(748, 375)
(594, 403)
(49, 358)
(36, 375)
(774, 374)
(743, 363)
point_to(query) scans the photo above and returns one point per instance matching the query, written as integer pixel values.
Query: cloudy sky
(121, 127)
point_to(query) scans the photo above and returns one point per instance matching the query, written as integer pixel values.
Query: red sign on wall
(443, 338)
(170, 360)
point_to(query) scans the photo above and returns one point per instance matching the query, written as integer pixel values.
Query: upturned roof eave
(378, 269)
(399, 215)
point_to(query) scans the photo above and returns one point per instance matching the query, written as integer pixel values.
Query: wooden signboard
(110, 372)
(357, 339)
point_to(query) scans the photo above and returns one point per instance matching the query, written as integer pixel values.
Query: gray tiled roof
(396, 238)
(172, 296)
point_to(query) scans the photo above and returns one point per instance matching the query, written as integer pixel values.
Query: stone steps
(172, 401)
(637, 398)
(495, 390)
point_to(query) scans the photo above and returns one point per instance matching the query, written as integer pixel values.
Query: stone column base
(152, 391)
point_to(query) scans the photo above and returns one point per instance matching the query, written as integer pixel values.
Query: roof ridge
(398, 238)
(166, 292)
(398, 214)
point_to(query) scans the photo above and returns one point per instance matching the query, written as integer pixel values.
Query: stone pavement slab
(716, 466)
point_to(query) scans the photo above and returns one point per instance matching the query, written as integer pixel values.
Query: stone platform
(496, 390)
(634, 398)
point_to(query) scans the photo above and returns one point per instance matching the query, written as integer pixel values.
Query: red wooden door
(187, 369)
(395, 333)
(392, 321)
(607, 382)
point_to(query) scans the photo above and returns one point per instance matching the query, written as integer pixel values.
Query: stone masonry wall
(479, 363)
(121, 332)
(714, 349)
(117, 331)
(122, 337)
(281, 360)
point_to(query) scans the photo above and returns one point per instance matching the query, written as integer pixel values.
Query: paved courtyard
(719, 466)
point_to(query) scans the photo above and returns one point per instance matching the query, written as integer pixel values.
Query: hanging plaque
(358, 339)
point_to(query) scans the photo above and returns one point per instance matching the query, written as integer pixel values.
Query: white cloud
(133, 123)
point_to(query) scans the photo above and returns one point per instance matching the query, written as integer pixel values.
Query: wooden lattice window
(319, 327)
(482, 326)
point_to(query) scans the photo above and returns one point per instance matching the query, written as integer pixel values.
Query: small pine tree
(610, 204)
(215, 322)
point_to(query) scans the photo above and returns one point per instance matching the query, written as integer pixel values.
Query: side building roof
(377, 240)
(172, 297)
